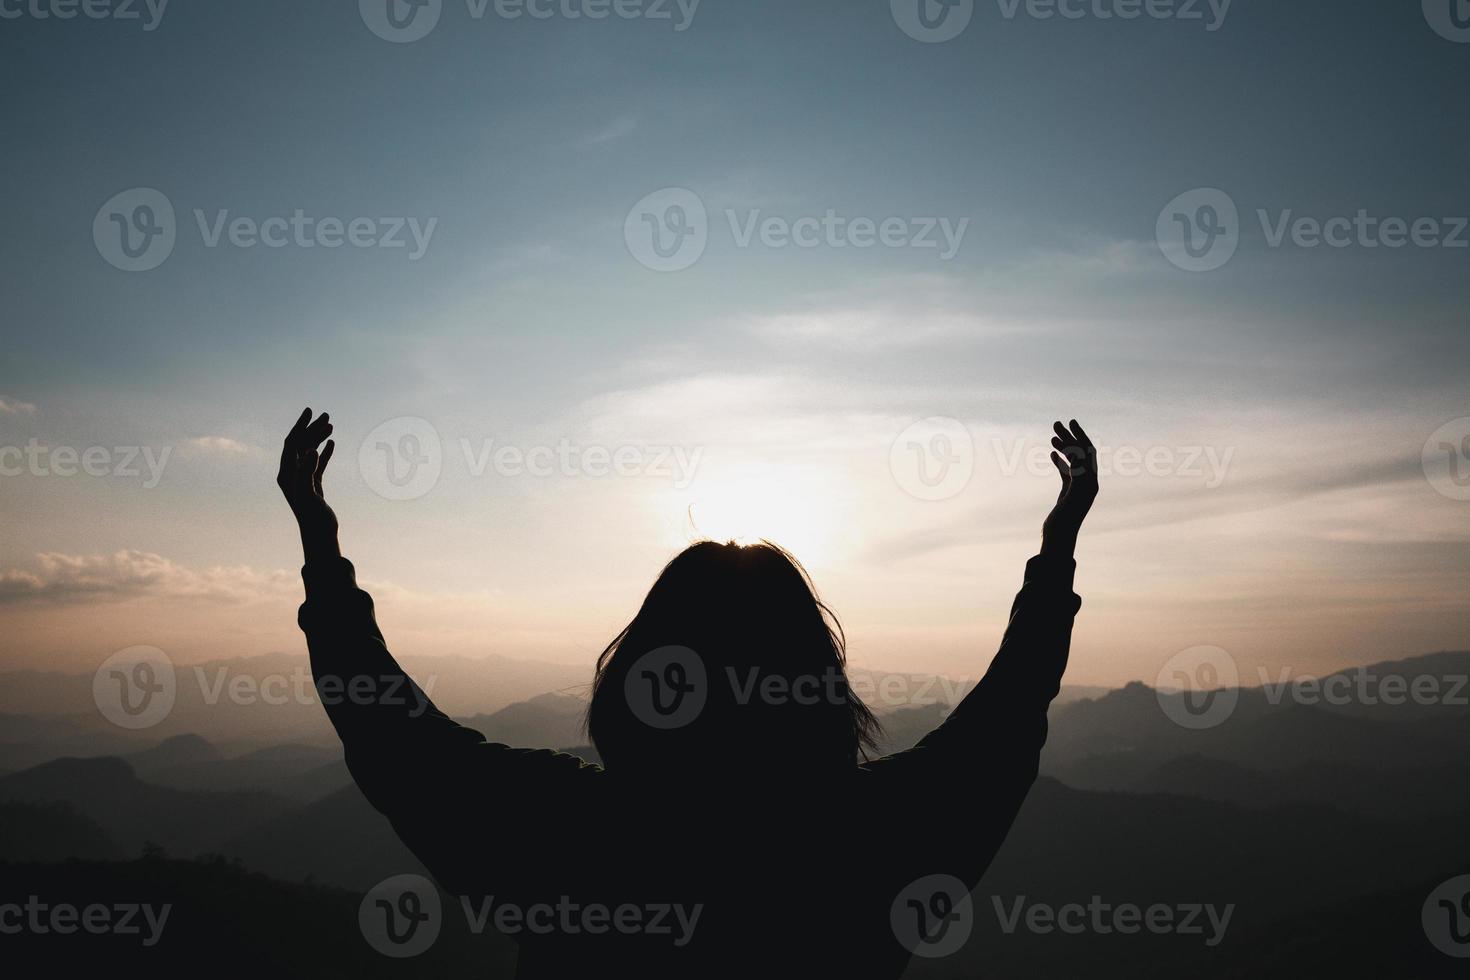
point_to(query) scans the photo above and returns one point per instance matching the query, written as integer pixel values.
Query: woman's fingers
(300, 460)
(285, 475)
(1072, 441)
(1068, 446)
(321, 466)
(311, 459)
(316, 431)
(1082, 438)
(1088, 448)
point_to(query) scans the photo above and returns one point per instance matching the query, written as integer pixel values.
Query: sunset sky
(1285, 399)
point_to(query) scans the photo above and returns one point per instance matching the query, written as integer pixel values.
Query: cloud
(126, 575)
(615, 129)
(1099, 258)
(220, 446)
(766, 411)
(867, 330)
(140, 575)
(1165, 507)
(12, 406)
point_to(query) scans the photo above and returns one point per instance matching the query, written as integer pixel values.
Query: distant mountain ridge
(1292, 813)
(132, 812)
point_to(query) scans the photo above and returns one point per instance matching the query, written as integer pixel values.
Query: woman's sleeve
(983, 759)
(442, 785)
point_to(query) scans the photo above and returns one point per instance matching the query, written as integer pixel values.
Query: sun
(801, 509)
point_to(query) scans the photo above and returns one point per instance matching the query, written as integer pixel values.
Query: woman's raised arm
(988, 750)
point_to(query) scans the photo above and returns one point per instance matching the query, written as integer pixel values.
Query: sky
(888, 255)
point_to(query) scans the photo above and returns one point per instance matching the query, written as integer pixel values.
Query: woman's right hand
(1075, 458)
(300, 480)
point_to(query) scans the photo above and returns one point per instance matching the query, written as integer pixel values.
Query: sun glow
(803, 510)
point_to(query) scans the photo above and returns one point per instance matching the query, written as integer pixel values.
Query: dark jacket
(808, 878)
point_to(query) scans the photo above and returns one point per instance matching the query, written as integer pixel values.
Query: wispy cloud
(124, 575)
(220, 446)
(14, 406)
(870, 330)
(1165, 506)
(615, 129)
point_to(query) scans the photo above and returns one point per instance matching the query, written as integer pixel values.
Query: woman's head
(731, 660)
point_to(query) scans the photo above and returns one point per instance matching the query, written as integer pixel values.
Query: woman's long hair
(732, 661)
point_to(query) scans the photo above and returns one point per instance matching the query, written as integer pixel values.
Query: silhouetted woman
(737, 826)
